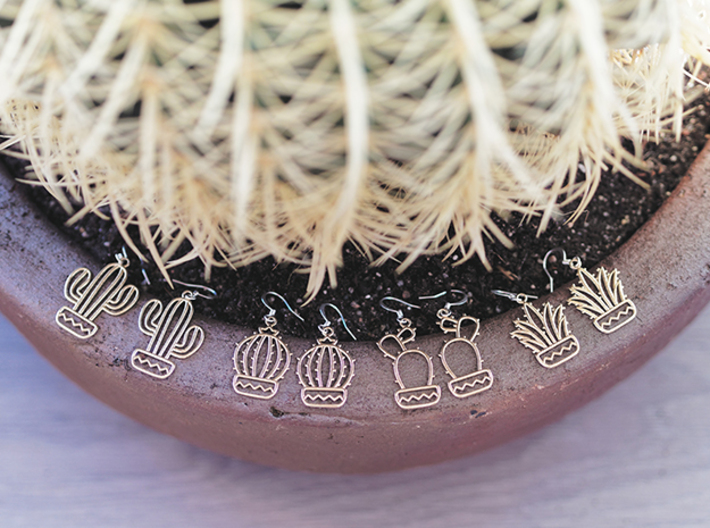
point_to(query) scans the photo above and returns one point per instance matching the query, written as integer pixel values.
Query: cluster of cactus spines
(106, 292)
(258, 128)
(170, 335)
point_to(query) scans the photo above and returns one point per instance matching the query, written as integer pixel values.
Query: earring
(545, 332)
(394, 346)
(262, 360)
(478, 379)
(169, 332)
(600, 297)
(326, 370)
(107, 292)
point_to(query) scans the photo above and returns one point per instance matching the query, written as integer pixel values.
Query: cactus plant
(257, 128)
(170, 335)
(107, 292)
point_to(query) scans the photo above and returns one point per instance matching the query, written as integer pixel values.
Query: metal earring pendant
(544, 332)
(170, 333)
(458, 351)
(107, 292)
(326, 370)
(394, 346)
(600, 296)
(262, 360)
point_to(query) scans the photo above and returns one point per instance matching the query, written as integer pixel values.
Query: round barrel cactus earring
(106, 292)
(326, 370)
(600, 297)
(394, 346)
(544, 332)
(262, 360)
(456, 352)
(170, 332)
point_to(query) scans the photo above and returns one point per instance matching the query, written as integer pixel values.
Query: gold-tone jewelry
(107, 292)
(600, 297)
(477, 379)
(170, 333)
(544, 332)
(394, 346)
(326, 370)
(262, 360)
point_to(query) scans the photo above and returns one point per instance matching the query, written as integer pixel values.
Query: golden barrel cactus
(258, 127)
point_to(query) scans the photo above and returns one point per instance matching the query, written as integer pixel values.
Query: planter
(377, 425)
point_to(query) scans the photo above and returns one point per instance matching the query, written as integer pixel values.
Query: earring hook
(326, 324)
(520, 298)
(574, 263)
(212, 294)
(448, 305)
(272, 312)
(400, 313)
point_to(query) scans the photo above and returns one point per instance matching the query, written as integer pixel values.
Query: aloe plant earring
(107, 292)
(601, 297)
(326, 370)
(478, 379)
(262, 360)
(394, 346)
(170, 332)
(544, 332)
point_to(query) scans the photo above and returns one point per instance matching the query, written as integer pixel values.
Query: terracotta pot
(373, 424)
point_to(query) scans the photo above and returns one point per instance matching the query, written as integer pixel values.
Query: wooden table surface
(639, 457)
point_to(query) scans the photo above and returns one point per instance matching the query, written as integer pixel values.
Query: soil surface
(618, 209)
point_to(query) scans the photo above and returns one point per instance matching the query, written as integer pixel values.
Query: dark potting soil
(618, 209)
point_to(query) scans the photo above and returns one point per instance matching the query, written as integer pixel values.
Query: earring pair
(395, 346)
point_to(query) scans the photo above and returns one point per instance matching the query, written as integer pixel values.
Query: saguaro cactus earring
(107, 292)
(170, 333)
(326, 370)
(600, 297)
(455, 351)
(544, 332)
(262, 360)
(394, 346)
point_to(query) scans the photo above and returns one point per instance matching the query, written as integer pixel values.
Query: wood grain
(638, 456)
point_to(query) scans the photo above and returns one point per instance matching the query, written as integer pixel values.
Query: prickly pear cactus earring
(394, 346)
(544, 332)
(170, 333)
(107, 292)
(326, 370)
(262, 360)
(600, 297)
(455, 351)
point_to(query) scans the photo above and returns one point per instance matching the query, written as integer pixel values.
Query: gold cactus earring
(394, 346)
(170, 332)
(544, 332)
(326, 370)
(262, 360)
(478, 379)
(107, 292)
(600, 297)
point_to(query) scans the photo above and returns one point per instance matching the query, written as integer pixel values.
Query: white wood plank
(638, 456)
